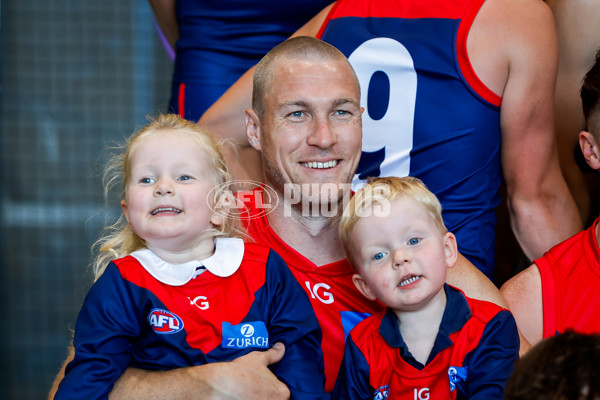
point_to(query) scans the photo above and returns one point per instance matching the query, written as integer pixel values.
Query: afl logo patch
(382, 393)
(164, 322)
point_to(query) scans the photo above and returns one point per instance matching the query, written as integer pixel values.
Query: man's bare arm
(246, 378)
(523, 292)
(543, 212)
(476, 285)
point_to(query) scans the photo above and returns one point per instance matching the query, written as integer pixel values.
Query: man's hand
(249, 378)
(246, 378)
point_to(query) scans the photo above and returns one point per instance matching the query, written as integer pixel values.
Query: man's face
(311, 130)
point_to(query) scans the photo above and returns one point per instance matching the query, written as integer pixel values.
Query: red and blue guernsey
(338, 305)
(472, 357)
(570, 274)
(143, 312)
(427, 113)
(220, 40)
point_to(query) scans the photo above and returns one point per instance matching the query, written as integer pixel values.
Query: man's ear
(362, 286)
(589, 148)
(450, 249)
(253, 129)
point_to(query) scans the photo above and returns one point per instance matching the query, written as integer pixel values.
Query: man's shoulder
(579, 248)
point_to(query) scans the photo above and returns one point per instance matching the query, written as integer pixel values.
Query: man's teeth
(320, 165)
(409, 279)
(165, 209)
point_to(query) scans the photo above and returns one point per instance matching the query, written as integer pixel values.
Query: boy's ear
(362, 286)
(253, 129)
(450, 249)
(589, 148)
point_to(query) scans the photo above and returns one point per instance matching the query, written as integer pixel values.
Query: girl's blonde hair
(118, 240)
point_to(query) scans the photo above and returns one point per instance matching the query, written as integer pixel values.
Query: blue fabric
(220, 40)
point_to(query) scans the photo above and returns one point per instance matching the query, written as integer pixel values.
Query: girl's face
(167, 194)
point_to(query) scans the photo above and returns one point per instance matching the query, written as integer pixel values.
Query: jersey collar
(223, 263)
(456, 314)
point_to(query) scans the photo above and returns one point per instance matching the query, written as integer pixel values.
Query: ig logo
(316, 292)
(421, 394)
(203, 305)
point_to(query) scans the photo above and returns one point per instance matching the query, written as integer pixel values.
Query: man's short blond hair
(380, 190)
(297, 48)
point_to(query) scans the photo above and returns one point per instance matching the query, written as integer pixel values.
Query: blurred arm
(164, 12)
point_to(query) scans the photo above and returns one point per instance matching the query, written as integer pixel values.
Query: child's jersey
(338, 305)
(427, 114)
(472, 357)
(145, 313)
(570, 274)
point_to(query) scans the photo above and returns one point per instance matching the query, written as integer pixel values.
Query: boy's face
(402, 258)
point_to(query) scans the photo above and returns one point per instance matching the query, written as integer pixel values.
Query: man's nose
(322, 136)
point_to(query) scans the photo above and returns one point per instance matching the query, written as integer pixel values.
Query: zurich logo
(247, 330)
(249, 334)
(164, 322)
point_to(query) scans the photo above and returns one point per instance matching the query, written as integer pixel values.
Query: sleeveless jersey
(472, 357)
(426, 113)
(570, 274)
(338, 305)
(220, 40)
(131, 319)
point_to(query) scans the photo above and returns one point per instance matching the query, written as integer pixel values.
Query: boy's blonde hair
(118, 239)
(385, 190)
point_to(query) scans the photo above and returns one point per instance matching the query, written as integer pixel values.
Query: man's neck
(316, 238)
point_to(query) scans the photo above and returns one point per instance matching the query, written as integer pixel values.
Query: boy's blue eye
(378, 256)
(185, 178)
(146, 180)
(413, 241)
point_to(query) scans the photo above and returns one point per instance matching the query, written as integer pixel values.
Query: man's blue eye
(413, 241)
(378, 256)
(297, 114)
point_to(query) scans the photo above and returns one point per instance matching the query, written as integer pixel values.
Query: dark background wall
(75, 77)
